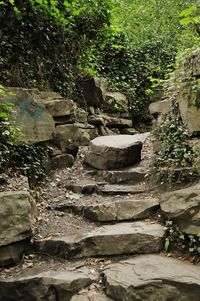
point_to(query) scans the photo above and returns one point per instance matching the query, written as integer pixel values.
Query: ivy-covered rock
(189, 104)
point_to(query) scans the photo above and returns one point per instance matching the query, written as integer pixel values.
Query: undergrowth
(177, 240)
(175, 161)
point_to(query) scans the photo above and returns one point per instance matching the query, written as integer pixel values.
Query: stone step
(130, 175)
(49, 285)
(120, 210)
(123, 189)
(152, 277)
(104, 188)
(136, 237)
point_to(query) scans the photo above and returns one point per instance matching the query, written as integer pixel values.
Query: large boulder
(93, 91)
(152, 277)
(17, 214)
(70, 136)
(183, 207)
(35, 121)
(110, 152)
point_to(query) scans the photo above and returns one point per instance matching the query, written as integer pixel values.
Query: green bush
(128, 70)
(41, 41)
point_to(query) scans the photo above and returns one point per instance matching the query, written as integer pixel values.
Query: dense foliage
(50, 44)
(41, 41)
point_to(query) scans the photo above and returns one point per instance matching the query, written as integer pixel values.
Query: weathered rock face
(160, 107)
(183, 206)
(110, 152)
(188, 93)
(116, 102)
(17, 213)
(94, 91)
(152, 277)
(111, 122)
(51, 285)
(137, 237)
(36, 122)
(115, 122)
(189, 104)
(59, 107)
(70, 136)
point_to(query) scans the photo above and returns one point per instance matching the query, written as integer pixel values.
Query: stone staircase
(118, 255)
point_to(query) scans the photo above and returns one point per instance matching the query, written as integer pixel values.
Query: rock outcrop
(17, 215)
(183, 207)
(93, 91)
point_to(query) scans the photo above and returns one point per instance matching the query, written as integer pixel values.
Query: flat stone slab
(152, 277)
(50, 285)
(183, 207)
(136, 237)
(115, 151)
(123, 189)
(120, 210)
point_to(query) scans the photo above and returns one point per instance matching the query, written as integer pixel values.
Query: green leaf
(187, 12)
(167, 244)
(186, 21)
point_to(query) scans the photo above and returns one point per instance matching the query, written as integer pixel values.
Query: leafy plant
(177, 240)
